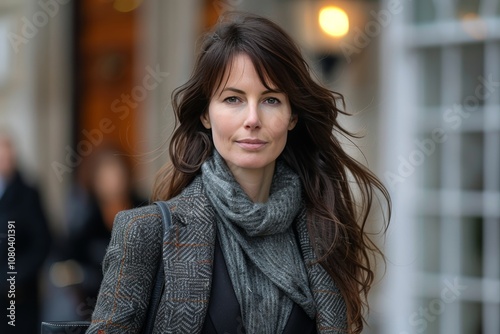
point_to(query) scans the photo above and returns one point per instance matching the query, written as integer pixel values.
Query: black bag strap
(160, 275)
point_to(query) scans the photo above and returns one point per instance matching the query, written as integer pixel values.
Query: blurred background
(85, 116)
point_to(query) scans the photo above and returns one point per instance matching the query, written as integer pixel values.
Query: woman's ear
(205, 120)
(293, 121)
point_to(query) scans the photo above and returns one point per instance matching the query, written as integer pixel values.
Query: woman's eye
(231, 99)
(272, 100)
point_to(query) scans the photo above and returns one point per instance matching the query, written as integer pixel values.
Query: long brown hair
(338, 190)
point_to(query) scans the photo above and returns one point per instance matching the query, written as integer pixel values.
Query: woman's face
(249, 123)
(111, 180)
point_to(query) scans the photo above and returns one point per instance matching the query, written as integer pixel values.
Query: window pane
(424, 320)
(492, 163)
(465, 8)
(493, 76)
(431, 176)
(429, 233)
(472, 71)
(472, 246)
(471, 318)
(424, 11)
(472, 161)
(430, 77)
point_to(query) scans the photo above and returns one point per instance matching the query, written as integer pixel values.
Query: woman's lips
(251, 144)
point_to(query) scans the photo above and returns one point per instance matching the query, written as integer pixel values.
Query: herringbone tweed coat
(188, 251)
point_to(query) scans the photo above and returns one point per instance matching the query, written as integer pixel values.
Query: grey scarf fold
(259, 246)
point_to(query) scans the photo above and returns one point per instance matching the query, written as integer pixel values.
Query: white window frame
(401, 43)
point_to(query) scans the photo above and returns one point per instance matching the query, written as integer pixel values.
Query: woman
(29, 235)
(108, 187)
(267, 234)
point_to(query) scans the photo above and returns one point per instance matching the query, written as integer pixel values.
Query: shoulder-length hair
(330, 177)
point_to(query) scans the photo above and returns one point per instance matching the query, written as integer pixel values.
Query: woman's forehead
(238, 66)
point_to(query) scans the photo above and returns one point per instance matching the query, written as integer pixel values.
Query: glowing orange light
(474, 26)
(126, 5)
(334, 21)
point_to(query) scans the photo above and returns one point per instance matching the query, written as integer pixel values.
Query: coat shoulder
(192, 205)
(148, 216)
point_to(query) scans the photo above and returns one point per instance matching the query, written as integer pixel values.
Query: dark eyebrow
(239, 91)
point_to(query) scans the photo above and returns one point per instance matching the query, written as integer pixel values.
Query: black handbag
(80, 327)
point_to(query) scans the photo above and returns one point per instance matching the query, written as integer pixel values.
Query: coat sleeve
(129, 268)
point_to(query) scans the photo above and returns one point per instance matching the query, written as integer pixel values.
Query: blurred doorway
(106, 103)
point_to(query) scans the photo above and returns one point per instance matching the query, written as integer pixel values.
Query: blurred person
(107, 189)
(20, 203)
(267, 234)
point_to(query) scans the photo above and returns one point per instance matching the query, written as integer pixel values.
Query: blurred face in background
(7, 157)
(110, 178)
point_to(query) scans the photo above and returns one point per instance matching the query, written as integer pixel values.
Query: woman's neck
(256, 183)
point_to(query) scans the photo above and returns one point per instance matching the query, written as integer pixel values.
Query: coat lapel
(188, 253)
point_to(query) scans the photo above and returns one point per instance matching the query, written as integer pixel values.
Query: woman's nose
(252, 120)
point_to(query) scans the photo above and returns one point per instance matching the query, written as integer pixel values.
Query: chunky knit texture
(259, 246)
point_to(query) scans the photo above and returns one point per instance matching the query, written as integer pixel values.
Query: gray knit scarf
(259, 246)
